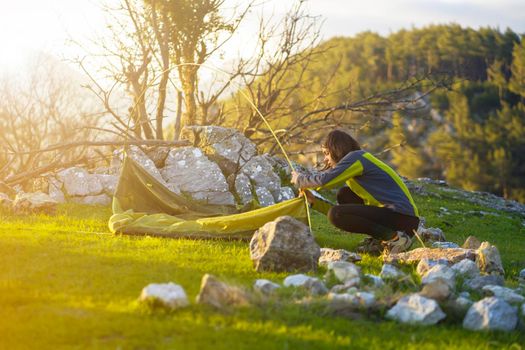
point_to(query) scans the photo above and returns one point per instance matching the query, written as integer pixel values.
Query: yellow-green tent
(143, 205)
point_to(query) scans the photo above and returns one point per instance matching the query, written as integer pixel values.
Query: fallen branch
(62, 146)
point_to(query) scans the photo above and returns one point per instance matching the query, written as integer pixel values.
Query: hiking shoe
(370, 246)
(398, 244)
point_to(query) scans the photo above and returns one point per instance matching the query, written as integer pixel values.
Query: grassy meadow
(67, 283)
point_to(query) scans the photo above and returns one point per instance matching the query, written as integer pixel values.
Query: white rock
(298, 280)
(463, 302)
(328, 255)
(109, 183)
(55, 190)
(523, 310)
(426, 264)
(285, 193)
(170, 295)
(521, 276)
(265, 286)
(312, 284)
(344, 271)
(390, 272)
(489, 260)
(264, 196)
(491, 314)
(78, 182)
(358, 299)
(34, 202)
(415, 309)
(445, 245)
(503, 293)
(466, 268)
(376, 280)
(440, 272)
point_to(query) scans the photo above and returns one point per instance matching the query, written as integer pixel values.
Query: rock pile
(447, 281)
(225, 162)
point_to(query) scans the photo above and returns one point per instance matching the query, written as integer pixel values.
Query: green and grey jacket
(371, 179)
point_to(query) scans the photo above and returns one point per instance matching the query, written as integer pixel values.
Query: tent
(144, 206)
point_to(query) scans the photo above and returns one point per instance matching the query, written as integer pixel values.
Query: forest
(442, 101)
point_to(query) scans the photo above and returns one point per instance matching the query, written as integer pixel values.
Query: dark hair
(339, 144)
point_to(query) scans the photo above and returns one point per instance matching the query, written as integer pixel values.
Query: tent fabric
(144, 206)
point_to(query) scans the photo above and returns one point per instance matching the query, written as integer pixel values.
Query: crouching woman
(373, 199)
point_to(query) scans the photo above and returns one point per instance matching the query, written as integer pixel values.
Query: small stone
(444, 245)
(464, 302)
(169, 295)
(220, 295)
(312, 284)
(440, 272)
(464, 295)
(488, 259)
(466, 268)
(357, 299)
(471, 243)
(329, 255)
(265, 286)
(503, 293)
(426, 264)
(491, 314)
(390, 272)
(521, 276)
(344, 271)
(431, 234)
(477, 283)
(376, 280)
(37, 202)
(416, 309)
(438, 290)
(298, 280)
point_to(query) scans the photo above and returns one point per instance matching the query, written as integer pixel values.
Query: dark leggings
(352, 215)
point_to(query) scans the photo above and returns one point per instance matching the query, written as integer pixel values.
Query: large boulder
(260, 171)
(190, 172)
(491, 314)
(139, 157)
(79, 182)
(284, 244)
(227, 147)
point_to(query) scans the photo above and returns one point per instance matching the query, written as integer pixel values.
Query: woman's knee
(334, 215)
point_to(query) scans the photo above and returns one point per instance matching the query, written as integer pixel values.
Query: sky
(30, 26)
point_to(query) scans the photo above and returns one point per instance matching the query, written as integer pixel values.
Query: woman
(374, 202)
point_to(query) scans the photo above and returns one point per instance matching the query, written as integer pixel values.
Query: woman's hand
(309, 196)
(295, 175)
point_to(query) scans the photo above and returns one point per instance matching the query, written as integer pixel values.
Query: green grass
(65, 282)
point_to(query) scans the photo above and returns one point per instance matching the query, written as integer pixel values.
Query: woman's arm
(348, 167)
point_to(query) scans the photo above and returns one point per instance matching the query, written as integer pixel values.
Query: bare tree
(46, 107)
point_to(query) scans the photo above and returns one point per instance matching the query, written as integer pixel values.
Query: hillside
(469, 129)
(66, 282)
